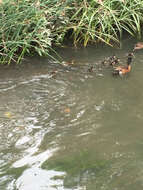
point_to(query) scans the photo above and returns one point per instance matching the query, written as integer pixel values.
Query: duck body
(122, 70)
(138, 46)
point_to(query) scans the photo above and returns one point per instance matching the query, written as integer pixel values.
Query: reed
(36, 26)
(106, 20)
(23, 31)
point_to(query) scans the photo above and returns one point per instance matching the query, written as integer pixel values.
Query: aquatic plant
(36, 26)
(77, 165)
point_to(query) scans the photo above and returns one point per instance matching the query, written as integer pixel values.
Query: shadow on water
(63, 127)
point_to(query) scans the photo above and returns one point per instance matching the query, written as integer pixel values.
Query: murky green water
(77, 130)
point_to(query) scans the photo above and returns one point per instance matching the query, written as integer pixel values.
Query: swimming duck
(90, 69)
(139, 45)
(113, 60)
(122, 70)
(53, 73)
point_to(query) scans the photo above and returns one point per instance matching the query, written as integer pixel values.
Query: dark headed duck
(122, 70)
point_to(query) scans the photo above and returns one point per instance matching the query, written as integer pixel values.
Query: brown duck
(137, 46)
(123, 70)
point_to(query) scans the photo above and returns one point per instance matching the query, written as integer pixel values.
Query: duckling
(112, 58)
(111, 61)
(105, 62)
(72, 62)
(122, 70)
(68, 63)
(115, 62)
(137, 46)
(53, 73)
(90, 69)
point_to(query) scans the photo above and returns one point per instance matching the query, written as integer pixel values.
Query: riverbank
(32, 27)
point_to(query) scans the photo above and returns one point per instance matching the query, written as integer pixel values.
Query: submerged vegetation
(37, 26)
(78, 166)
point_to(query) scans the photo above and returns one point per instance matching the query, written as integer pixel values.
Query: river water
(65, 128)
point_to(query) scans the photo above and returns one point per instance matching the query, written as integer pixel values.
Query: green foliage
(22, 31)
(34, 26)
(76, 163)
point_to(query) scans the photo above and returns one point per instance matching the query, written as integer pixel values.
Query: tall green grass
(36, 26)
(106, 22)
(23, 30)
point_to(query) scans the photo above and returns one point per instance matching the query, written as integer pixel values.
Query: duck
(112, 61)
(137, 46)
(91, 69)
(123, 70)
(53, 73)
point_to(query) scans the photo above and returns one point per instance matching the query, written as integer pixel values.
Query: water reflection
(76, 130)
(36, 178)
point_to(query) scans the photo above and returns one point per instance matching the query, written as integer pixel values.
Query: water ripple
(72, 116)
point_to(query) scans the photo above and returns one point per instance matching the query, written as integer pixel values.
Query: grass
(32, 27)
(23, 31)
